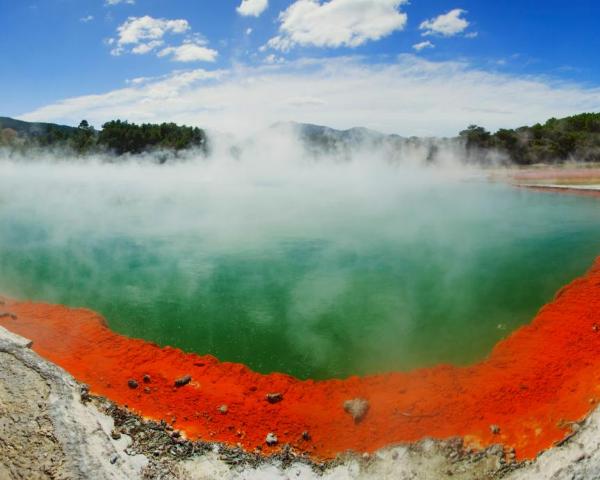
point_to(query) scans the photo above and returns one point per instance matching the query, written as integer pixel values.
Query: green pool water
(316, 273)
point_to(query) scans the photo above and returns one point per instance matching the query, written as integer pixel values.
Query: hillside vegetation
(571, 138)
(116, 137)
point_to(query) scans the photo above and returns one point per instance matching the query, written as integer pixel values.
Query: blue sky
(57, 51)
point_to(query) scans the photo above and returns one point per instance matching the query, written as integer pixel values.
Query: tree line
(576, 137)
(117, 137)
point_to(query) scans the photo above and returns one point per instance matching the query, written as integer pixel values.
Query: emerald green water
(324, 273)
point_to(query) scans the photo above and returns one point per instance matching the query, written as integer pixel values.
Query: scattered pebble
(306, 436)
(115, 435)
(147, 390)
(114, 459)
(495, 429)
(147, 378)
(8, 315)
(223, 409)
(132, 384)
(274, 397)
(357, 408)
(180, 382)
(271, 439)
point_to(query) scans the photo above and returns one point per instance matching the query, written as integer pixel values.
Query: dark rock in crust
(274, 397)
(181, 382)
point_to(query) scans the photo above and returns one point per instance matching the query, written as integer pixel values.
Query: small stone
(115, 435)
(223, 409)
(306, 436)
(147, 390)
(147, 378)
(10, 315)
(274, 397)
(495, 429)
(357, 408)
(271, 439)
(85, 393)
(181, 382)
(114, 459)
(175, 434)
(132, 384)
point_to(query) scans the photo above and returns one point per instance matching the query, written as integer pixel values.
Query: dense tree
(84, 139)
(124, 137)
(117, 137)
(576, 137)
(476, 137)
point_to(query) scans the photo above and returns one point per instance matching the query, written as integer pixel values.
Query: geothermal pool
(320, 271)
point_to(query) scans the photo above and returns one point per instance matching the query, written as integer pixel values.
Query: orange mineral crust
(534, 383)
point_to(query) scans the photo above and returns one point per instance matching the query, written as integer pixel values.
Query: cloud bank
(410, 96)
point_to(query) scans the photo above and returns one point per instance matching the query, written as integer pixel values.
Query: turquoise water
(323, 273)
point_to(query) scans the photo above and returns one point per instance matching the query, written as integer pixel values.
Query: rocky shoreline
(52, 428)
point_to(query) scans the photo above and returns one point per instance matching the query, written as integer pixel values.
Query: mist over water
(314, 267)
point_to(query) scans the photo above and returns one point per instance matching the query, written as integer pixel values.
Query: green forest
(116, 137)
(576, 137)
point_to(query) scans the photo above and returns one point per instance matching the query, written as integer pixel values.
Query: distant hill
(557, 140)
(320, 140)
(33, 129)
(330, 138)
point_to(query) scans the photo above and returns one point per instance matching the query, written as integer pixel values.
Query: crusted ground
(50, 428)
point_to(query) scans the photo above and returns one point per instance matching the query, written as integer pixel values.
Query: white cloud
(252, 8)
(337, 23)
(273, 59)
(137, 29)
(248, 31)
(116, 2)
(144, 48)
(190, 52)
(423, 45)
(142, 35)
(86, 19)
(411, 96)
(446, 25)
